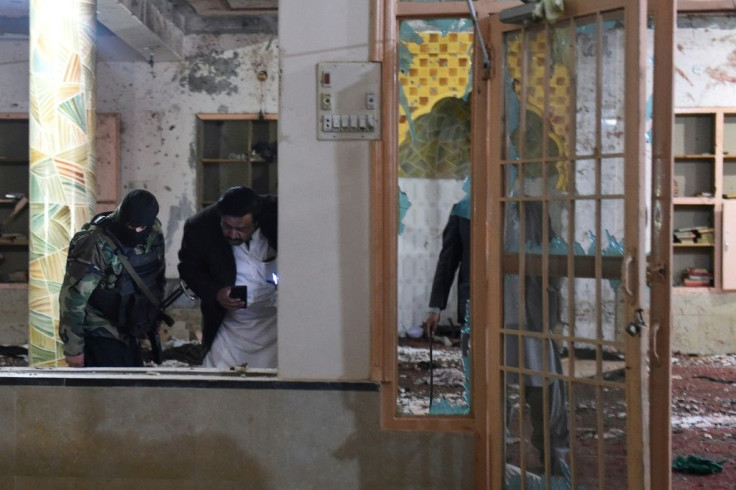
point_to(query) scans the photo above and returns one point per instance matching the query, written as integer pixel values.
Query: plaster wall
(273, 437)
(704, 323)
(324, 205)
(705, 61)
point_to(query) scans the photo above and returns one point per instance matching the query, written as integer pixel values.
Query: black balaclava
(139, 208)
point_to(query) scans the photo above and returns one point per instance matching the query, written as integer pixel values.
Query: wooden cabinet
(236, 149)
(729, 244)
(14, 182)
(704, 186)
(14, 198)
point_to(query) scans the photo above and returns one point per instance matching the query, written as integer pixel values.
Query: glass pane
(512, 119)
(586, 177)
(612, 89)
(612, 176)
(435, 80)
(586, 69)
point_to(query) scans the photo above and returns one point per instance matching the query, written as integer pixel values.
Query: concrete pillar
(62, 158)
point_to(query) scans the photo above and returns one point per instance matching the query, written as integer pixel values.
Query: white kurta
(248, 335)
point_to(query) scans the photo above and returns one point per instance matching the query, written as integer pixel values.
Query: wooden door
(567, 302)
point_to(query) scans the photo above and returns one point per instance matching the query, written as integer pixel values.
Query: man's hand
(223, 297)
(430, 324)
(75, 361)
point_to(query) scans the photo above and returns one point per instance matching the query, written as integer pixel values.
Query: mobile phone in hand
(241, 293)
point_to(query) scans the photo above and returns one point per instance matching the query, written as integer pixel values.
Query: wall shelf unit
(704, 188)
(14, 182)
(236, 149)
(14, 193)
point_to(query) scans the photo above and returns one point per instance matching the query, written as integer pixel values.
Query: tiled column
(62, 158)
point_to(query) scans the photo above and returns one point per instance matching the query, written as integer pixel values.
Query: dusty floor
(703, 412)
(703, 405)
(704, 417)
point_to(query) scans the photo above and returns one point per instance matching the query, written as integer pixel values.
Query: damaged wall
(158, 106)
(705, 76)
(195, 436)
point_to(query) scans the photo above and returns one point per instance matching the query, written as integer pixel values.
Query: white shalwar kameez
(248, 335)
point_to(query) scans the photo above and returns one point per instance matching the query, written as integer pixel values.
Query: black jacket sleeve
(206, 263)
(447, 264)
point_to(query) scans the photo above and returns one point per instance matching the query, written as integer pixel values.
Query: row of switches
(348, 122)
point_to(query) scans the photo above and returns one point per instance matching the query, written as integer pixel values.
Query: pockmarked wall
(158, 103)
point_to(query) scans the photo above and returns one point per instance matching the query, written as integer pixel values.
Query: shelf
(13, 285)
(693, 201)
(225, 160)
(704, 161)
(215, 161)
(16, 242)
(702, 156)
(693, 245)
(231, 152)
(693, 289)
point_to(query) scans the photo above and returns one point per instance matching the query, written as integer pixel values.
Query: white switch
(326, 123)
(353, 122)
(335, 122)
(371, 122)
(361, 122)
(345, 122)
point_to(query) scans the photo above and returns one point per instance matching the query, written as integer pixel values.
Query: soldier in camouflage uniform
(104, 313)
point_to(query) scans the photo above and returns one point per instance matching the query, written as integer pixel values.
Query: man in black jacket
(234, 242)
(454, 258)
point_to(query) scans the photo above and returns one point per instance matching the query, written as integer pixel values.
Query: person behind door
(454, 255)
(104, 313)
(531, 314)
(234, 242)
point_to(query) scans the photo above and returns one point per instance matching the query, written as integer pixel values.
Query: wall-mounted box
(348, 101)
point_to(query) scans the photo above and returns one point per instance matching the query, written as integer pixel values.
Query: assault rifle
(169, 300)
(156, 348)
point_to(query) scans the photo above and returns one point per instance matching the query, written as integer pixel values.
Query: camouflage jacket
(92, 263)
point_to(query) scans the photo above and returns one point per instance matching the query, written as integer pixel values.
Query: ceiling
(18, 8)
(228, 7)
(155, 28)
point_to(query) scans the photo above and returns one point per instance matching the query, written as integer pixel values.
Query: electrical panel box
(348, 101)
